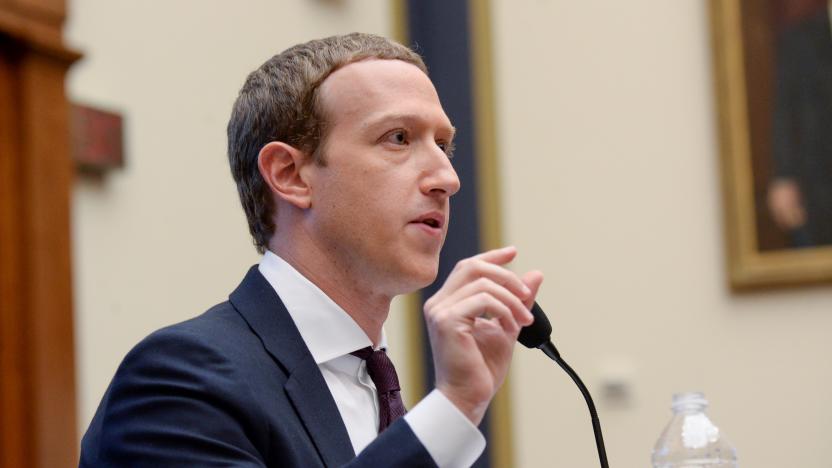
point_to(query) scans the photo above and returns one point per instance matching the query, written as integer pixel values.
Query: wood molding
(37, 390)
(30, 29)
(502, 427)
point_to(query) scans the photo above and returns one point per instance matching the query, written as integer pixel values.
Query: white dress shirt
(331, 335)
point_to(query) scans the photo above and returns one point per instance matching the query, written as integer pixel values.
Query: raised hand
(473, 322)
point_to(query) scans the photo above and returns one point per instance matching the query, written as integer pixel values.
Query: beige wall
(610, 185)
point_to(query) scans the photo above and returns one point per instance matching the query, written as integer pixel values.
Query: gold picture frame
(742, 137)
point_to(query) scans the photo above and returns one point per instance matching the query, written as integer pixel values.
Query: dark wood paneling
(46, 179)
(37, 389)
(13, 421)
(49, 11)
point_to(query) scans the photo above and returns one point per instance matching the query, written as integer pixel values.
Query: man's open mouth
(433, 220)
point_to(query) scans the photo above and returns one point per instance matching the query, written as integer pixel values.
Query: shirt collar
(328, 331)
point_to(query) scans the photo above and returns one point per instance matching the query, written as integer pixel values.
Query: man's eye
(447, 148)
(397, 137)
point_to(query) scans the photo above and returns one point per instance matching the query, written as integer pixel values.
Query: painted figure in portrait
(800, 191)
(788, 69)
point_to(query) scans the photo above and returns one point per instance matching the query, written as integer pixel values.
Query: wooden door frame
(37, 371)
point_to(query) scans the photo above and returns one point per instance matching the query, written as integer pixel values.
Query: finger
(491, 338)
(532, 279)
(499, 256)
(485, 264)
(518, 309)
(495, 346)
(472, 269)
(484, 305)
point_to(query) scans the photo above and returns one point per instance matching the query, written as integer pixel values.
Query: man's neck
(368, 308)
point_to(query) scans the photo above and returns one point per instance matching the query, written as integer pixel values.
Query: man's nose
(440, 178)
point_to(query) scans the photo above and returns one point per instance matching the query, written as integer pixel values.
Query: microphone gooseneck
(537, 335)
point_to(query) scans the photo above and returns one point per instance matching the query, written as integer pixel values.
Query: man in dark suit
(340, 151)
(800, 194)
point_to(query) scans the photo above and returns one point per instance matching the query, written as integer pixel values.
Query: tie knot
(380, 368)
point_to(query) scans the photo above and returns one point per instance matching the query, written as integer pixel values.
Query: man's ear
(280, 166)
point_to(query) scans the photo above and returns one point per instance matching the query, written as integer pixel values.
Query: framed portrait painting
(773, 67)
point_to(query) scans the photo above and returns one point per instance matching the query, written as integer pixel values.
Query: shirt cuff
(448, 435)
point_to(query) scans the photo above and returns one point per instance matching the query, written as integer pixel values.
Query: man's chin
(421, 276)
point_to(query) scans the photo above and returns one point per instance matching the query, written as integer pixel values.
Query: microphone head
(539, 332)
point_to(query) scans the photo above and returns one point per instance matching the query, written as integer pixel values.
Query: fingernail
(526, 290)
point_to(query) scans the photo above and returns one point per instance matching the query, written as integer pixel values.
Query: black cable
(549, 349)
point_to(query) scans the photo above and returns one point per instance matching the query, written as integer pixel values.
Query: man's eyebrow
(381, 119)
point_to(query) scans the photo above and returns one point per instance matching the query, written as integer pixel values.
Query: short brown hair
(279, 102)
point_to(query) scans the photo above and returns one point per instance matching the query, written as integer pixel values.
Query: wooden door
(37, 383)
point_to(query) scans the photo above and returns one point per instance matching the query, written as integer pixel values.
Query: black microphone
(538, 335)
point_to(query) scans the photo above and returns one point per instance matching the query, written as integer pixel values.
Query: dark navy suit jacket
(235, 386)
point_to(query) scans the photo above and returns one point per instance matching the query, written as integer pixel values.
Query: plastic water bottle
(691, 440)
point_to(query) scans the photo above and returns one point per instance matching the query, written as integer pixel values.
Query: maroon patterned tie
(384, 376)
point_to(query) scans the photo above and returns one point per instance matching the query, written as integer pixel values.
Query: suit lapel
(315, 406)
(306, 388)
